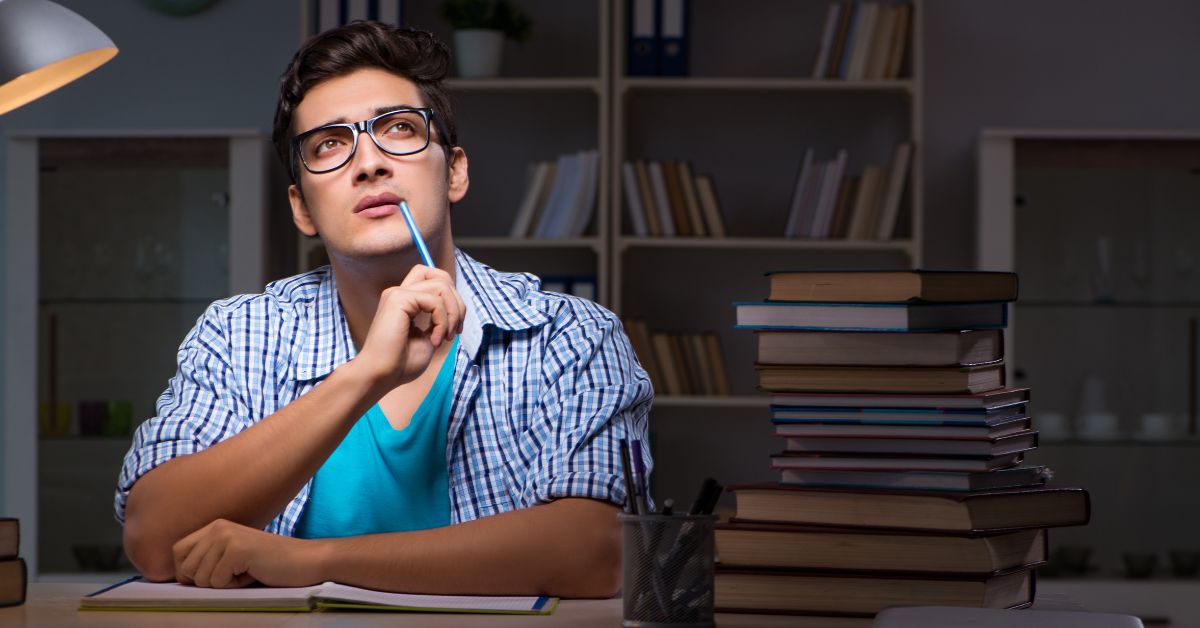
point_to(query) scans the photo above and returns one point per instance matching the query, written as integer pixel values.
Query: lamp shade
(44, 46)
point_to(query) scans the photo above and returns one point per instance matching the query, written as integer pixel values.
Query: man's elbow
(154, 562)
(595, 571)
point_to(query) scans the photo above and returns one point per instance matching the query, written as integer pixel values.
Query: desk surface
(54, 605)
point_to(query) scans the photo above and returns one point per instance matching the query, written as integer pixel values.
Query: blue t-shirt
(381, 479)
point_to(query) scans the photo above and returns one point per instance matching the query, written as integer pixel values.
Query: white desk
(53, 605)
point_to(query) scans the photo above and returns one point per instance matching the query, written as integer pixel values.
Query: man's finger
(202, 576)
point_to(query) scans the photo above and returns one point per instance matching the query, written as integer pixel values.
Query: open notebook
(135, 594)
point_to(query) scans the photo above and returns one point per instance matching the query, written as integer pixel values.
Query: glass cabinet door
(1103, 233)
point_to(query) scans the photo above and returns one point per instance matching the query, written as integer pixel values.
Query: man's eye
(401, 127)
(328, 144)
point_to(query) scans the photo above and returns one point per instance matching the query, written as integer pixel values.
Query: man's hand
(226, 555)
(400, 344)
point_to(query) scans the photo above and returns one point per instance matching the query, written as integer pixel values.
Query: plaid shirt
(544, 386)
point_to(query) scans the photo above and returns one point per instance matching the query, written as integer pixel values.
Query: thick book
(863, 348)
(786, 429)
(814, 593)
(962, 481)
(895, 462)
(977, 401)
(782, 546)
(870, 316)
(10, 537)
(940, 511)
(892, 286)
(14, 580)
(137, 595)
(958, 616)
(881, 379)
(954, 446)
(976, 426)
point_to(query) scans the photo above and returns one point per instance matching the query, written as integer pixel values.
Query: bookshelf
(767, 110)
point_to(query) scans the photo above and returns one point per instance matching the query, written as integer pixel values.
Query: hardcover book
(936, 286)
(976, 512)
(779, 546)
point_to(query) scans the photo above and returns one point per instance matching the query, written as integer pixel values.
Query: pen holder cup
(668, 570)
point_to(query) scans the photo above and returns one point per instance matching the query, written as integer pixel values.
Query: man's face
(354, 207)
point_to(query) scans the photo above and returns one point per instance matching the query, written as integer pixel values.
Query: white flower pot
(477, 52)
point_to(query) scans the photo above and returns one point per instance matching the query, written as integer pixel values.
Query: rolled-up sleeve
(594, 394)
(198, 408)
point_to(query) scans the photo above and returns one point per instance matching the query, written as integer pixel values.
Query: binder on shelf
(673, 47)
(643, 38)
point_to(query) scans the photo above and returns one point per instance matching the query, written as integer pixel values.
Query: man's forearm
(248, 478)
(568, 548)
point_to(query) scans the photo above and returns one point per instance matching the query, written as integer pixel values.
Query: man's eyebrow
(378, 112)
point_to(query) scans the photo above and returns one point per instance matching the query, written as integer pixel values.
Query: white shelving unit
(113, 302)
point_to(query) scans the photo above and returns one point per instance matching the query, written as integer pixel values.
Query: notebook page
(142, 594)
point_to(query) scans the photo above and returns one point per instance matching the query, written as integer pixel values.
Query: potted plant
(480, 28)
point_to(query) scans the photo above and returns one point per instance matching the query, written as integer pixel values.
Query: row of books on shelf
(900, 483)
(560, 197)
(664, 198)
(827, 202)
(13, 576)
(679, 363)
(863, 41)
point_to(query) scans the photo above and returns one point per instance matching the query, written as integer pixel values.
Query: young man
(379, 422)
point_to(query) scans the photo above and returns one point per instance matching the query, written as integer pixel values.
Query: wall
(1031, 63)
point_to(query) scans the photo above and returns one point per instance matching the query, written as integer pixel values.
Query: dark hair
(414, 54)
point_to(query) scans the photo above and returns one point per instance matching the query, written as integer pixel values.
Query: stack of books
(13, 578)
(901, 477)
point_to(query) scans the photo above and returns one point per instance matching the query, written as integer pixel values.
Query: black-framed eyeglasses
(400, 132)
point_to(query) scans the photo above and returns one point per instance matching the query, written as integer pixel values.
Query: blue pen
(416, 235)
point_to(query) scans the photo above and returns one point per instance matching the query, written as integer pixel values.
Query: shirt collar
(492, 300)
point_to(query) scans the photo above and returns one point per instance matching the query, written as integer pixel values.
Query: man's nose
(369, 161)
